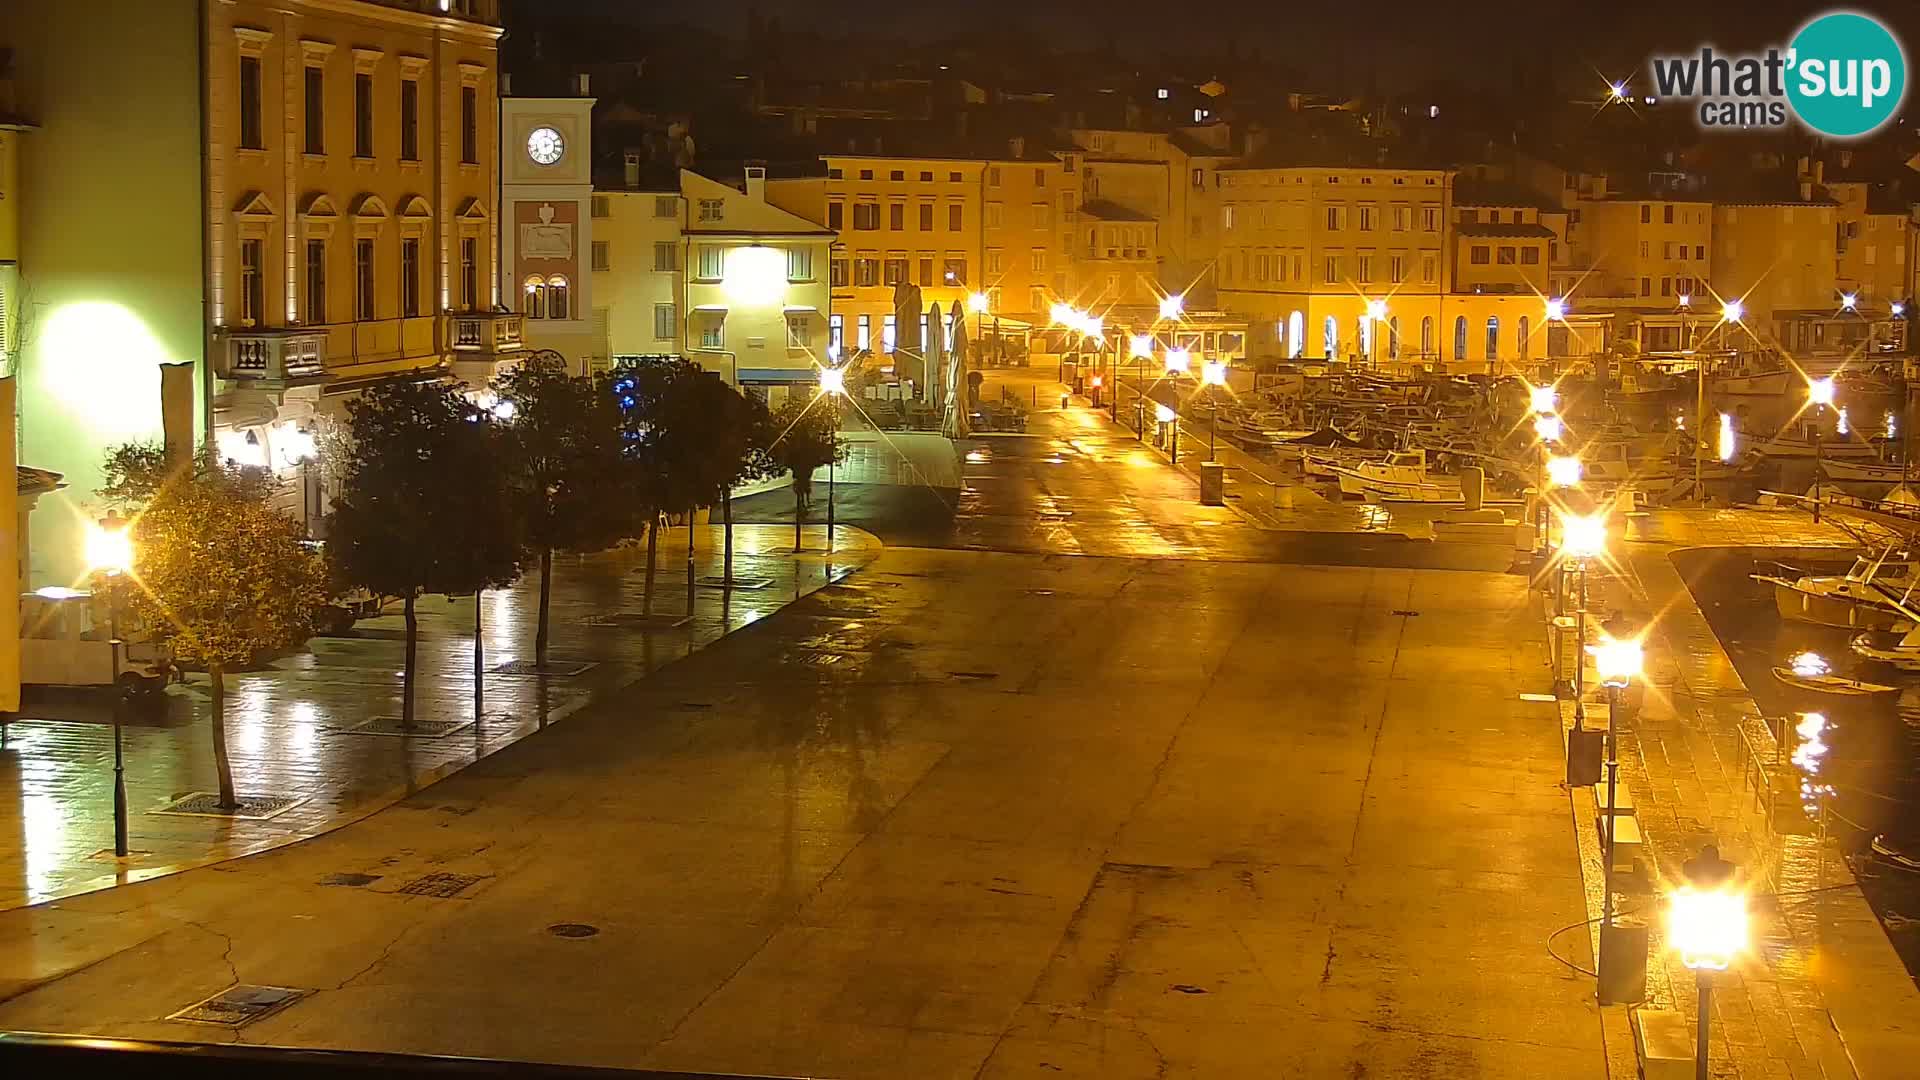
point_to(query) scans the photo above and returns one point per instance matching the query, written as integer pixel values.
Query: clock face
(544, 145)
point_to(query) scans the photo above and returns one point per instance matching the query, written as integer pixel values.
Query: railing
(486, 332)
(277, 355)
(24, 1054)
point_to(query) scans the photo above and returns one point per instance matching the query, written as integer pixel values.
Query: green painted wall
(111, 281)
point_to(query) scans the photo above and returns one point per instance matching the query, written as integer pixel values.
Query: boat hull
(1798, 605)
(1770, 384)
(1833, 685)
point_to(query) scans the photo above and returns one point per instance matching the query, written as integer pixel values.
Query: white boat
(1903, 653)
(1641, 460)
(1839, 448)
(1403, 475)
(1324, 460)
(1758, 384)
(1864, 473)
(1810, 672)
(1871, 595)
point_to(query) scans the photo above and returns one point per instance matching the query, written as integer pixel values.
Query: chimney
(1806, 188)
(633, 170)
(581, 84)
(757, 183)
(506, 84)
(1819, 172)
(1017, 147)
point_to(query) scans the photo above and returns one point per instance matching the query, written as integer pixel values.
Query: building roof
(1108, 210)
(31, 481)
(1504, 229)
(1471, 192)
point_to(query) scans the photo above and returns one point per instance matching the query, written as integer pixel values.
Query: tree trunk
(546, 595)
(406, 675)
(726, 516)
(690, 513)
(653, 550)
(479, 660)
(222, 766)
(799, 512)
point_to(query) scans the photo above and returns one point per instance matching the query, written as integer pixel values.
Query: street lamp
(1732, 310)
(1618, 662)
(1172, 306)
(1727, 439)
(1165, 414)
(1820, 396)
(1548, 428)
(833, 383)
(1563, 471)
(977, 303)
(1581, 538)
(1213, 374)
(1707, 926)
(1849, 301)
(1376, 315)
(109, 550)
(1179, 361)
(1556, 310)
(1542, 399)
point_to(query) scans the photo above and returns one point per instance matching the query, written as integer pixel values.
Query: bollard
(1473, 486)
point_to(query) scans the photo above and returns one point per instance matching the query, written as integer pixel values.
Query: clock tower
(546, 214)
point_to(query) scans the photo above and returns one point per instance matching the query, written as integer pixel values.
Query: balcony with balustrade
(272, 357)
(481, 343)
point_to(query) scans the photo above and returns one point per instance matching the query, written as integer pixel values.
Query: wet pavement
(291, 725)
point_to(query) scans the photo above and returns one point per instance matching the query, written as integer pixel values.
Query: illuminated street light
(1060, 314)
(1820, 391)
(1178, 361)
(1617, 91)
(109, 550)
(109, 547)
(1171, 307)
(977, 303)
(1726, 437)
(1583, 536)
(1169, 420)
(1686, 300)
(1164, 413)
(1377, 310)
(1618, 660)
(1899, 310)
(833, 383)
(1548, 428)
(1732, 310)
(1140, 346)
(833, 380)
(1563, 471)
(1542, 398)
(1849, 301)
(1707, 926)
(1556, 309)
(1214, 373)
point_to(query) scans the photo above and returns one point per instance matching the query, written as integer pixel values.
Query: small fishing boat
(1403, 475)
(1839, 448)
(1871, 595)
(1853, 472)
(1902, 653)
(1751, 384)
(1811, 672)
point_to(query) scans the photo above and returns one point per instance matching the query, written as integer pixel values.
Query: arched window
(1363, 336)
(1460, 338)
(1426, 335)
(557, 297)
(1297, 334)
(1523, 337)
(1332, 338)
(1393, 338)
(1493, 337)
(536, 298)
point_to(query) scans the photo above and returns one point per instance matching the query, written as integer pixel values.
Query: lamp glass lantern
(1708, 927)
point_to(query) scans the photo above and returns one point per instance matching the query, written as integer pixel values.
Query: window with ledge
(363, 115)
(840, 276)
(663, 256)
(713, 262)
(866, 271)
(536, 298)
(410, 277)
(799, 331)
(889, 332)
(862, 329)
(315, 117)
(665, 206)
(953, 178)
(363, 280)
(866, 216)
(1481, 255)
(317, 282)
(409, 120)
(558, 298)
(713, 210)
(895, 271)
(955, 271)
(469, 273)
(713, 332)
(800, 264)
(252, 282)
(836, 216)
(600, 206)
(926, 217)
(836, 334)
(955, 218)
(251, 135)
(926, 177)
(896, 216)
(469, 125)
(836, 174)
(663, 322)
(897, 174)
(601, 259)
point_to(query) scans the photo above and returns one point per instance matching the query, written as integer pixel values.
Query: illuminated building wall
(1644, 253)
(754, 280)
(636, 276)
(109, 283)
(546, 193)
(1779, 257)
(1874, 240)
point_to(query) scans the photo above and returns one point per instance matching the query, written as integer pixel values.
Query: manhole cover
(441, 884)
(974, 674)
(572, 930)
(251, 808)
(419, 729)
(1403, 611)
(239, 1005)
(640, 620)
(351, 881)
(559, 669)
(716, 582)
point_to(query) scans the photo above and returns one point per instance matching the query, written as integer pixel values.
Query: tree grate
(558, 669)
(420, 729)
(717, 582)
(574, 930)
(440, 884)
(251, 808)
(239, 1005)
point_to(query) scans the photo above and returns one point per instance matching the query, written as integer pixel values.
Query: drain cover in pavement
(716, 582)
(640, 620)
(420, 729)
(351, 881)
(572, 930)
(251, 808)
(441, 884)
(559, 669)
(974, 674)
(239, 1005)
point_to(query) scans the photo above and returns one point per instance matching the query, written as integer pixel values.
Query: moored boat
(1871, 595)
(1810, 672)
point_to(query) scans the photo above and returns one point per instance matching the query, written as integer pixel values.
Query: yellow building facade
(1777, 257)
(1642, 254)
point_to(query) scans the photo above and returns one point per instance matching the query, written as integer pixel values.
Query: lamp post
(1213, 374)
(1581, 539)
(1618, 662)
(1819, 395)
(1139, 350)
(1707, 926)
(1376, 314)
(110, 551)
(833, 383)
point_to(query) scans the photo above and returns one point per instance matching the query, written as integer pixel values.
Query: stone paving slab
(1823, 993)
(290, 726)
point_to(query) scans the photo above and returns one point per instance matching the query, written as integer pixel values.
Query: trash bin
(1213, 484)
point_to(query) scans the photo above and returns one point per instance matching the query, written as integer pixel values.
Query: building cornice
(449, 25)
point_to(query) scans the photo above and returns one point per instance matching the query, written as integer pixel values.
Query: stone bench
(1663, 1044)
(1622, 798)
(1626, 844)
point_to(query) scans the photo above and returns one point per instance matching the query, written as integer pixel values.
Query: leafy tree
(424, 507)
(223, 576)
(801, 437)
(660, 401)
(566, 468)
(729, 451)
